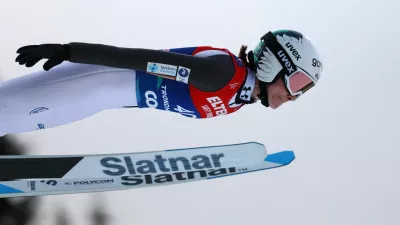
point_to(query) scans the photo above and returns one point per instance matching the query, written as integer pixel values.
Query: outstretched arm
(207, 74)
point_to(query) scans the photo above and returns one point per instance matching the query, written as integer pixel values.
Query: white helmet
(290, 55)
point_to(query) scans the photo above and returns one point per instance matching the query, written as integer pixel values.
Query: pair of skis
(28, 175)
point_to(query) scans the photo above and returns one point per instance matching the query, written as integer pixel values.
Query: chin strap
(263, 93)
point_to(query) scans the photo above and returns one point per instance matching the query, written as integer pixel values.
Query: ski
(53, 175)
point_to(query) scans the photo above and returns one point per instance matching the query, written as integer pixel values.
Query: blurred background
(344, 132)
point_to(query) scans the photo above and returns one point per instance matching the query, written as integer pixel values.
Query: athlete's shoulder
(208, 51)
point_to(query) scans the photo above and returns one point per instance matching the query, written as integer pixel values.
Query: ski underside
(29, 175)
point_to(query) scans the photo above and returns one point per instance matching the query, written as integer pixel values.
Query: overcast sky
(344, 132)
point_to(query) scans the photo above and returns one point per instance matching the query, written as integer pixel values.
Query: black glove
(32, 54)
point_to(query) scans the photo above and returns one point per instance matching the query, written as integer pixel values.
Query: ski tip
(284, 157)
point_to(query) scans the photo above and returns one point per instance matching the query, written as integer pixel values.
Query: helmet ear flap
(263, 95)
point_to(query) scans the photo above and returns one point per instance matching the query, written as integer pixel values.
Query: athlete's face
(278, 94)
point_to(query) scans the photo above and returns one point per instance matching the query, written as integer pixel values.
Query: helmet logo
(316, 63)
(285, 61)
(295, 53)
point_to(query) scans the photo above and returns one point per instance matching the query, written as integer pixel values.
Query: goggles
(298, 82)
